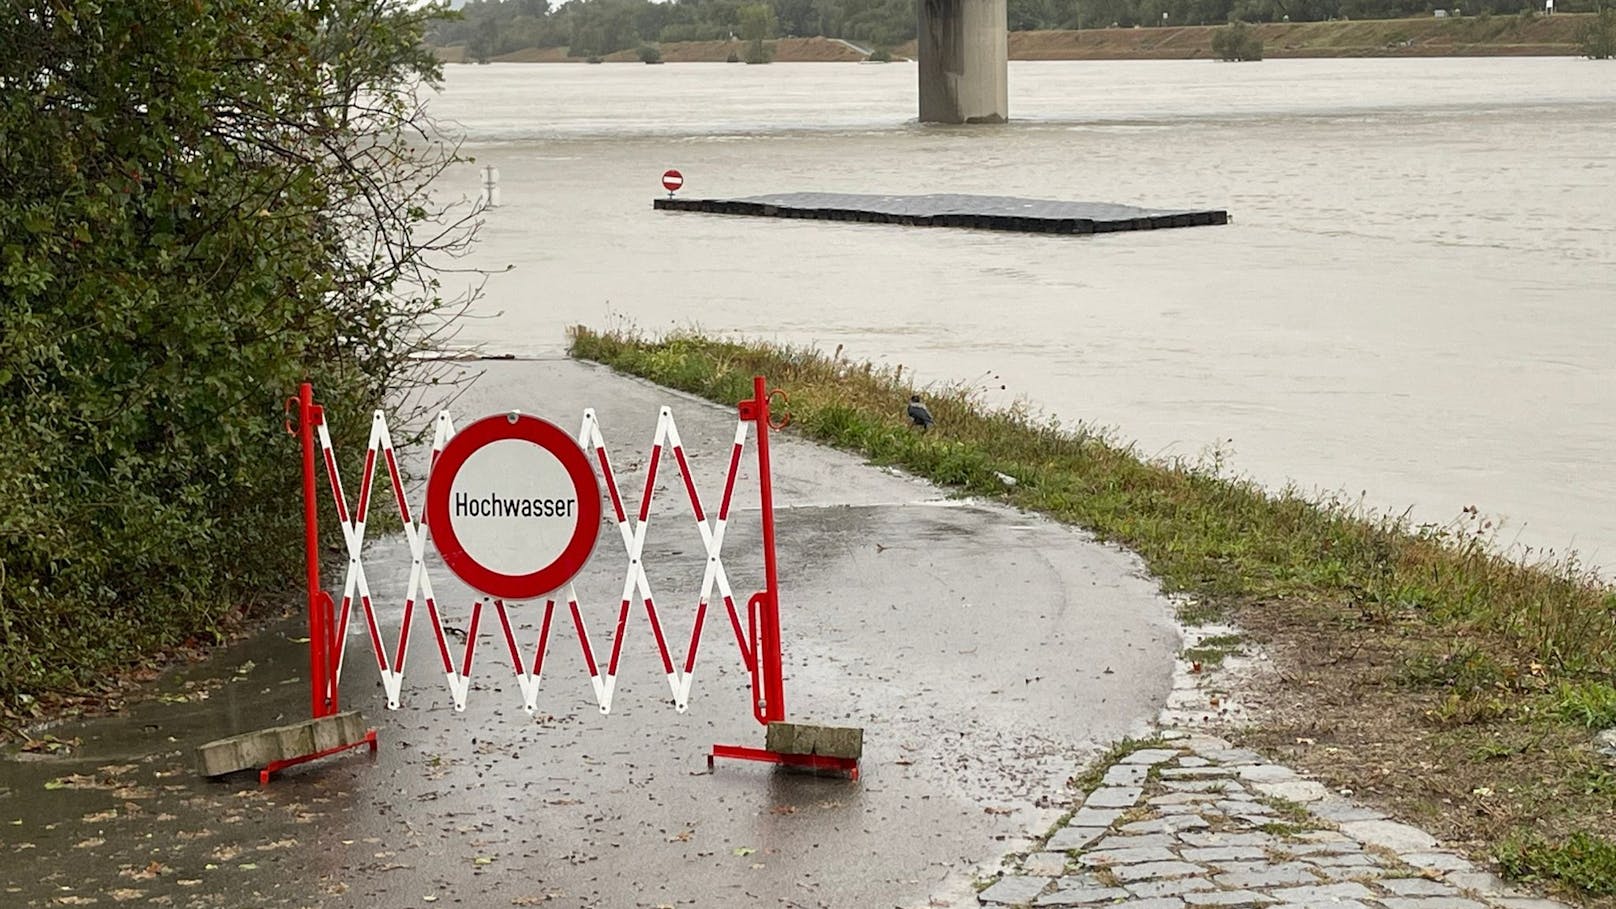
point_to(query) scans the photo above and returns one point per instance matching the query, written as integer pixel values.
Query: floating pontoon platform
(954, 210)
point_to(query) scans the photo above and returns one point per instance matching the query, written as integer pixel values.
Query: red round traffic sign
(513, 506)
(672, 180)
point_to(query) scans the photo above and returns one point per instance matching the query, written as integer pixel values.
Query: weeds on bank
(1199, 529)
(1520, 647)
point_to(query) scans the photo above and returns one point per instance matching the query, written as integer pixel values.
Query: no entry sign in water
(513, 506)
(672, 180)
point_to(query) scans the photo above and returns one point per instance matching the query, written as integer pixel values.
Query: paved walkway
(1195, 823)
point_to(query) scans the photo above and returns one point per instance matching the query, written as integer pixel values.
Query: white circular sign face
(513, 506)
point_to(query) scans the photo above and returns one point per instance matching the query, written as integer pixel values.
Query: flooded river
(1413, 301)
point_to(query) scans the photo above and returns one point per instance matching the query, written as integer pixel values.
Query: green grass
(1201, 531)
(1089, 779)
(1523, 639)
(1581, 860)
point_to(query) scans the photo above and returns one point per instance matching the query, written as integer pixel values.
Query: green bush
(194, 221)
(1237, 41)
(880, 55)
(1598, 36)
(650, 53)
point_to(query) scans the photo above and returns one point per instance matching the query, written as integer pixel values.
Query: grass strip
(1200, 530)
(1501, 661)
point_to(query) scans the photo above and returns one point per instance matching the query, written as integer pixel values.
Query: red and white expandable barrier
(757, 637)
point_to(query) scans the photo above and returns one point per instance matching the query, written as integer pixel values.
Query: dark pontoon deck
(953, 210)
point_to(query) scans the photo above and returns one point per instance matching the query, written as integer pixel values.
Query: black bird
(918, 414)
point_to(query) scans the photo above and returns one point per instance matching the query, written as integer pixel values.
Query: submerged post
(963, 48)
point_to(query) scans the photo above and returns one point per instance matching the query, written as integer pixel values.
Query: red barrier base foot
(849, 766)
(276, 766)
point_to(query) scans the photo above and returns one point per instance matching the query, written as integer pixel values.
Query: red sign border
(557, 442)
(672, 172)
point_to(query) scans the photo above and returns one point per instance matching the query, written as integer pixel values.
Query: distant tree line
(489, 28)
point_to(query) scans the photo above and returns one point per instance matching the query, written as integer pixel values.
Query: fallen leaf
(744, 850)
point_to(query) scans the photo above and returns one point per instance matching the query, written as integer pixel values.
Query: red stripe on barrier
(544, 638)
(740, 635)
(729, 482)
(375, 634)
(398, 486)
(690, 484)
(471, 636)
(336, 485)
(583, 640)
(695, 637)
(656, 631)
(365, 482)
(510, 639)
(611, 484)
(403, 635)
(437, 630)
(650, 483)
(617, 639)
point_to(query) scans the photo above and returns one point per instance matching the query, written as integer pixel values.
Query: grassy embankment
(1471, 36)
(1418, 667)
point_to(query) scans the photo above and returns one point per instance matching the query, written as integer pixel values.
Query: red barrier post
(322, 694)
(771, 657)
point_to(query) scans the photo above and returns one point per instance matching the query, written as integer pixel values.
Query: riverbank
(1416, 667)
(1471, 36)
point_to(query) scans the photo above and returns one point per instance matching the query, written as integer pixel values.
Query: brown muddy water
(1411, 304)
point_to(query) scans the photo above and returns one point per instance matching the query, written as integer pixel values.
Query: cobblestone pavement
(1196, 824)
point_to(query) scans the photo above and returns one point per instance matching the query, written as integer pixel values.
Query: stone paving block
(1094, 817)
(1113, 797)
(1070, 837)
(1295, 790)
(1418, 886)
(1357, 860)
(1326, 836)
(1013, 889)
(1082, 896)
(1227, 839)
(1437, 861)
(1201, 743)
(1339, 810)
(1175, 887)
(1241, 806)
(1150, 871)
(1173, 735)
(1229, 898)
(1150, 756)
(1281, 875)
(1160, 902)
(1185, 798)
(809, 738)
(1193, 761)
(1395, 836)
(1484, 883)
(1129, 841)
(1232, 756)
(1151, 825)
(1044, 864)
(1332, 904)
(1342, 846)
(1225, 786)
(1125, 775)
(1197, 773)
(1267, 773)
(1221, 853)
(1430, 902)
(1528, 902)
(1188, 808)
(1127, 856)
(1326, 893)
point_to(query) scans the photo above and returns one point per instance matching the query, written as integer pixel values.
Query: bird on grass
(918, 414)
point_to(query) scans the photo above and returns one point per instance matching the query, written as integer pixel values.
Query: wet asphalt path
(986, 653)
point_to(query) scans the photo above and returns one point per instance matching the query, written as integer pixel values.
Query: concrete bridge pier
(963, 49)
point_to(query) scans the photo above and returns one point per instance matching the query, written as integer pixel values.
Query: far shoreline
(1468, 36)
